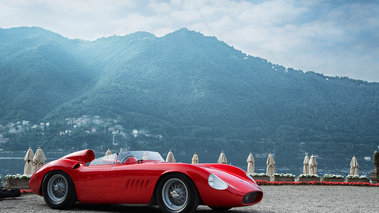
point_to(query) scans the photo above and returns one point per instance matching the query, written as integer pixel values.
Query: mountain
(37, 73)
(195, 91)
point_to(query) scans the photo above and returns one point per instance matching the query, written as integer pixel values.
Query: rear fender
(64, 165)
(83, 156)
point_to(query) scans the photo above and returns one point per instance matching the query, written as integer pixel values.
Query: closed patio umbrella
(270, 165)
(108, 152)
(313, 165)
(195, 159)
(222, 158)
(354, 166)
(28, 168)
(170, 157)
(38, 159)
(250, 164)
(306, 165)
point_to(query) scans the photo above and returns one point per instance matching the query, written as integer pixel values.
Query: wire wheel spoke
(180, 194)
(57, 188)
(175, 194)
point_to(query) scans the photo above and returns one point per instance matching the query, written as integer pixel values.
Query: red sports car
(142, 177)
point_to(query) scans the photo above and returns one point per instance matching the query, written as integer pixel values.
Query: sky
(332, 37)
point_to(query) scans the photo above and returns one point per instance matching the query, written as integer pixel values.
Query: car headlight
(216, 183)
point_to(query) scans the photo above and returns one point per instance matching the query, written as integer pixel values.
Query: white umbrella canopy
(270, 165)
(313, 165)
(222, 158)
(38, 159)
(354, 166)
(250, 164)
(108, 152)
(195, 159)
(306, 165)
(28, 168)
(170, 157)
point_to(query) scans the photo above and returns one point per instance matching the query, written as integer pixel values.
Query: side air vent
(76, 166)
(136, 184)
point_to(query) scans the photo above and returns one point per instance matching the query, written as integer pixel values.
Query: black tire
(58, 190)
(176, 193)
(220, 209)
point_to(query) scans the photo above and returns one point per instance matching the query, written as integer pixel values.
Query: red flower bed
(25, 191)
(325, 183)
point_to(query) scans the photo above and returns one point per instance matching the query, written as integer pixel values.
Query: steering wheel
(125, 158)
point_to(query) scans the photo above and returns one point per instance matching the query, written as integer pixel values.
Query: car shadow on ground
(114, 208)
(137, 209)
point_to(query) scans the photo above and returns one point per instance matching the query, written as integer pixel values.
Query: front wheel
(176, 193)
(58, 190)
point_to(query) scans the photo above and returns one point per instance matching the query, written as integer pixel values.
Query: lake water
(13, 163)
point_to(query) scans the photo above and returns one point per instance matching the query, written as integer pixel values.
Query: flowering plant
(333, 176)
(356, 177)
(259, 175)
(23, 191)
(309, 175)
(18, 176)
(276, 183)
(283, 175)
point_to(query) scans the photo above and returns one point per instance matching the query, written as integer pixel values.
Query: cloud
(331, 37)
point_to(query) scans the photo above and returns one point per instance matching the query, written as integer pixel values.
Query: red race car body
(142, 177)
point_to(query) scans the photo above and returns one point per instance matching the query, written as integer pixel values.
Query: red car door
(133, 183)
(97, 183)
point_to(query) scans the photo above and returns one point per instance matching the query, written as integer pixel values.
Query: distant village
(87, 124)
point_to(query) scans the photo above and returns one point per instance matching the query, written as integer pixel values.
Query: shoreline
(336, 166)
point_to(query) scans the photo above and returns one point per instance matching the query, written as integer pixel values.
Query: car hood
(225, 168)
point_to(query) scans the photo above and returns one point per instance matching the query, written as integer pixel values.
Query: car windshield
(109, 159)
(121, 157)
(140, 155)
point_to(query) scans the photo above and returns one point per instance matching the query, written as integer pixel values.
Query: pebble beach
(305, 198)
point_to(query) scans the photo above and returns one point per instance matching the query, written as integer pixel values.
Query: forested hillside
(195, 92)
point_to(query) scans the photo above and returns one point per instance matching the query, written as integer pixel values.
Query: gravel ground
(275, 199)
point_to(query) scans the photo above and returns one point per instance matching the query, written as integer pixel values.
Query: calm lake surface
(13, 163)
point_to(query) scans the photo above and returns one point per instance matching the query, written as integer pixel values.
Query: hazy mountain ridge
(184, 84)
(39, 77)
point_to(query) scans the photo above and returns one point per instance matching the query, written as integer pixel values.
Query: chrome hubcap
(174, 194)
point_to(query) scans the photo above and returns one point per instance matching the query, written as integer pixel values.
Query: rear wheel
(176, 193)
(58, 190)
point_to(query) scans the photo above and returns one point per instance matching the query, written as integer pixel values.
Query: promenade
(276, 199)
